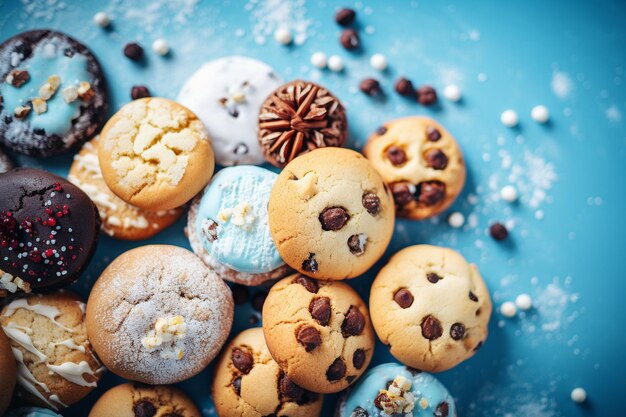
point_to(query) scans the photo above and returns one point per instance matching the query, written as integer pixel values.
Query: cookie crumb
(508, 309)
(161, 47)
(524, 302)
(379, 62)
(335, 63)
(452, 92)
(508, 193)
(283, 36)
(319, 60)
(456, 219)
(509, 118)
(540, 114)
(579, 395)
(101, 19)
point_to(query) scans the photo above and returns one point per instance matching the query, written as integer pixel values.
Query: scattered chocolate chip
(356, 244)
(381, 130)
(333, 218)
(354, 323)
(436, 159)
(403, 297)
(478, 346)
(345, 17)
(237, 385)
(478, 311)
(350, 379)
(498, 231)
(336, 370)
(442, 409)
(310, 284)
(18, 77)
(242, 359)
(371, 202)
(310, 264)
(288, 389)
(404, 87)
(349, 39)
(233, 112)
(433, 278)
(401, 192)
(473, 297)
(240, 294)
(431, 192)
(144, 409)
(309, 337)
(426, 95)
(139, 91)
(380, 399)
(396, 155)
(433, 134)
(209, 230)
(358, 358)
(359, 412)
(371, 87)
(320, 310)
(133, 51)
(241, 149)
(457, 331)
(431, 328)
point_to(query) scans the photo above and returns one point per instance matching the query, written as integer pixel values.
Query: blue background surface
(567, 239)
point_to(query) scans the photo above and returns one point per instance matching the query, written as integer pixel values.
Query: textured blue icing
(423, 385)
(250, 249)
(48, 59)
(32, 412)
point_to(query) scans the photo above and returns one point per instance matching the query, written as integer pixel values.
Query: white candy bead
(160, 46)
(540, 114)
(101, 19)
(319, 60)
(282, 36)
(335, 63)
(508, 309)
(452, 92)
(509, 118)
(508, 193)
(524, 302)
(378, 62)
(579, 395)
(456, 219)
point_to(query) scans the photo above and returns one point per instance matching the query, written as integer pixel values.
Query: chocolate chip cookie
(422, 164)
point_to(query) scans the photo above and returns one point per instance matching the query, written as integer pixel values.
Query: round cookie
(158, 315)
(8, 370)
(228, 226)
(155, 154)
(319, 332)
(227, 94)
(119, 219)
(32, 412)
(394, 389)
(431, 307)
(421, 162)
(53, 93)
(56, 366)
(299, 117)
(5, 163)
(48, 231)
(331, 214)
(138, 400)
(248, 383)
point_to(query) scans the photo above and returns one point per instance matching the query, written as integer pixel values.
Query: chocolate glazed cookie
(53, 93)
(48, 231)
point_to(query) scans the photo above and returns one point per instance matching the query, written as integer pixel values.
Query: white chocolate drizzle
(74, 372)
(70, 344)
(23, 340)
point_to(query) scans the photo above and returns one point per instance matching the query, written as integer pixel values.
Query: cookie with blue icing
(395, 390)
(33, 412)
(228, 226)
(53, 93)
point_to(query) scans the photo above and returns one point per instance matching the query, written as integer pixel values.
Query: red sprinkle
(52, 222)
(49, 253)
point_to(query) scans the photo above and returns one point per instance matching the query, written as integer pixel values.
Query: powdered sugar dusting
(269, 15)
(561, 84)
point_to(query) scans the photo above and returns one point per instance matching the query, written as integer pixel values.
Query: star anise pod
(299, 117)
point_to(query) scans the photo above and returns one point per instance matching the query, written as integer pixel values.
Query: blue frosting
(48, 59)
(424, 386)
(248, 248)
(32, 412)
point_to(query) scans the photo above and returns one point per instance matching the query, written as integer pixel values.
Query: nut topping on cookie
(18, 78)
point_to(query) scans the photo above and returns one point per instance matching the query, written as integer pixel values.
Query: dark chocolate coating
(37, 142)
(48, 228)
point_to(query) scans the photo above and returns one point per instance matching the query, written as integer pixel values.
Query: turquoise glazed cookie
(395, 390)
(228, 226)
(32, 412)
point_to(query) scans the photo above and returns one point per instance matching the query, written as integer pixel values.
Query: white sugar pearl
(101, 19)
(456, 219)
(160, 46)
(509, 118)
(579, 395)
(319, 60)
(508, 309)
(508, 193)
(524, 302)
(335, 63)
(378, 62)
(540, 114)
(282, 36)
(452, 92)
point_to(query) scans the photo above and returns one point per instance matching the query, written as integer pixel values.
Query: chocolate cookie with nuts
(422, 164)
(321, 337)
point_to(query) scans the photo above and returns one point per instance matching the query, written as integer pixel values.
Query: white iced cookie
(227, 94)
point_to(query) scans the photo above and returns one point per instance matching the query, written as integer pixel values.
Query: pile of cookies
(159, 314)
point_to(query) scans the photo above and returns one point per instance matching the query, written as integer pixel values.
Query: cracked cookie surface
(431, 307)
(421, 162)
(319, 332)
(158, 315)
(330, 214)
(155, 154)
(249, 383)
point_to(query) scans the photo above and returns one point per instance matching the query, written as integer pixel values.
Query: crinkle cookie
(138, 400)
(119, 219)
(56, 366)
(155, 154)
(228, 226)
(422, 164)
(392, 389)
(52, 93)
(248, 383)
(430, 307)
(158, 315)
(227, 94)
(319, 332)
(331, 215)
(8, 370)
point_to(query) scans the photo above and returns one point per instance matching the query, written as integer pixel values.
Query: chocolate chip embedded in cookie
(406, 300)
(323, 339)
(421, 162)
